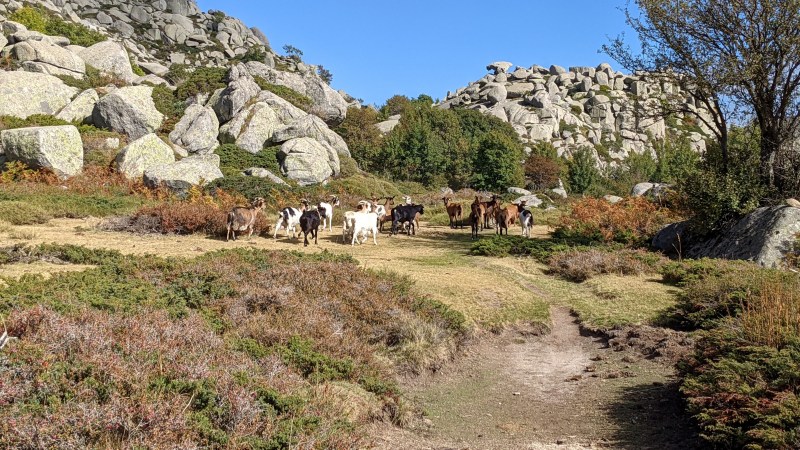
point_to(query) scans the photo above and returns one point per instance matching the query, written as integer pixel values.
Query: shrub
(580, 265)
(582, 171)
(496, 163)
(541, 250)
(21, 213)
(93, 79)
(135, 67)
(233, 160)
(633, 221)
(362, 137)
(201, 80)
(254, 53)
(169, 105)
(542, 172)
(39, 19)
(290, 95)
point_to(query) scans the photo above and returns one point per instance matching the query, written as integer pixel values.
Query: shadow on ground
(653, 416)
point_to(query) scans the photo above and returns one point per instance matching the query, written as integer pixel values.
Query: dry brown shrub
(580, 265)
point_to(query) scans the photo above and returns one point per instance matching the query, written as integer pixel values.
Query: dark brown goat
(243, 218)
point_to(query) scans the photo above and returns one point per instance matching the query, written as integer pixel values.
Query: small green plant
(169, 105)
(201, 80)
(576, 110)
(582, 170)
(135, 67)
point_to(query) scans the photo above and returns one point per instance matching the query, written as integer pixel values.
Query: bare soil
(563, 390)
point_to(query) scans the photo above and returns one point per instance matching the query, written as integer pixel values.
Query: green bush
(290, 95)
(39, 19)
(362, 137)
(582, 170)
(135, 67)
(233, 160)
(497, 162)
(540, 250)
(93, 79)
(22, 213)
(201, 80)
(256, 53)
(169, 105)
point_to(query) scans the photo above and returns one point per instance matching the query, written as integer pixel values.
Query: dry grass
(579, 265)
(771, 316)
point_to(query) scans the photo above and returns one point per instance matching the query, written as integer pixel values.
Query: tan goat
(244, 218)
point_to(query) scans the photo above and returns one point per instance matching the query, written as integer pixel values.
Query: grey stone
(312, 127)
(494, 92)
(25, 94)
(612, 199)
(499, 67)
(123, 28)
(260, 172)
(387, 126)
(286, 111)
(154, 68)
(518, 191)
(252, 127)
(235, 97)
(104, 18)
(81, 108)
(197, 130)
(305, 160)
(530, 200)
(129, 110)
(763, 236)
(139, 14)
(49, 58)
(182, 175)
(109, 57)
(142, 154)
(557, 70)
(56, 148)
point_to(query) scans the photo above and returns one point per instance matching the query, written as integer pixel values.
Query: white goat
(328, 217)
(407, 199)
(289, 218)
(364, 223)
(526, 221)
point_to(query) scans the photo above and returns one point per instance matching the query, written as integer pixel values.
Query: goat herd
(370, 216)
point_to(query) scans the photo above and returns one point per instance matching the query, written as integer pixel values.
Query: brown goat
(505, 217)
(490, 209)
(454, 212)
(243, 218)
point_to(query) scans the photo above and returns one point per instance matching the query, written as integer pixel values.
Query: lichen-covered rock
(305, 160)
(129, 110)
(182, 175)
(144, 153)
(56, 148)
(234, 98)
(81, 108)
(46, 57)
(23, 94)
(518, 191)
(286, 111)
(252, 127)
(197, 130)
(109, 57)
(313, 127)
(530, 200)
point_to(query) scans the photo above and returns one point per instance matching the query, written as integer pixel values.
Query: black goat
(405, 213)
(309, 223)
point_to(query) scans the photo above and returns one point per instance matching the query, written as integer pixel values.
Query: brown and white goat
(454, 212)
(505, 217)
(243, 218)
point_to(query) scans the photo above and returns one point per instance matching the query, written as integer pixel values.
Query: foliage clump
(37, 18)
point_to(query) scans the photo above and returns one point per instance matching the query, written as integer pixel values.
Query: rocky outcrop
(128, 110)
(312, 127)
(109, 57)
(235, 97)
(307, 161)
(25, 94)
(197, 130)
(46, 57)
(252, 127)
(763, 236)
(261, 172)
(182, 175)
(81, 108)
(56, 148)
(594, 107)
(142, 154)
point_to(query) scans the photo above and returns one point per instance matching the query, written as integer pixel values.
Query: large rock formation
(307, 161)
(594, 107)
(763, 236)
(182, 175)
(109, 57)
(128, 110)
(46, 57)
(197, 130)
(142, 154)
(81, 108)
(56, 148)
(24, 94)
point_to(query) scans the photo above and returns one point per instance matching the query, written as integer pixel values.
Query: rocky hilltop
(596, 107)
(223, 85)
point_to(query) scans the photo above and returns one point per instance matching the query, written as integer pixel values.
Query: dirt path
(561, 391)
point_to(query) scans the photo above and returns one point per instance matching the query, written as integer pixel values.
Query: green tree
(582, 170)
(735, 57)
(394, 105)
(362, 136)
(325, 74)
(497, 162)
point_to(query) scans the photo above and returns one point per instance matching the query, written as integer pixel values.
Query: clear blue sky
(377, 49)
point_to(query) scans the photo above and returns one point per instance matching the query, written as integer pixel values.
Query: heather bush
(235, 348)
(297, 99)
(580, 265)
(37, 18)
(633, 221)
